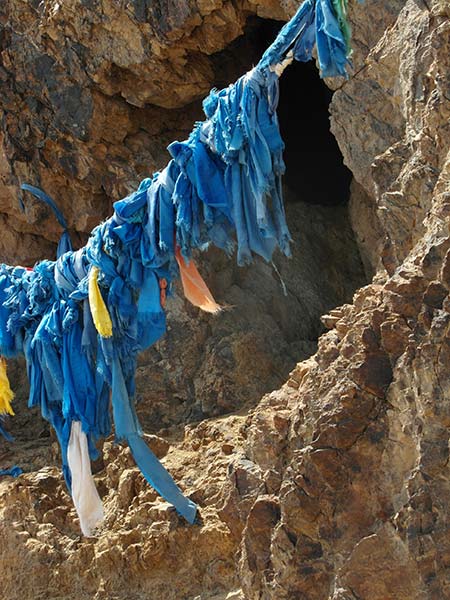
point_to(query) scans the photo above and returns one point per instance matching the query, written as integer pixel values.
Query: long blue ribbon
(65, 244)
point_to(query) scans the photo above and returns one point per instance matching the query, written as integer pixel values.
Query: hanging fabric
(13, 472)
(194, 286)
(84, 493)
(100, 314)
(80, 321)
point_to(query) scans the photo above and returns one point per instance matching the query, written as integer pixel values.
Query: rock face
(335, 486)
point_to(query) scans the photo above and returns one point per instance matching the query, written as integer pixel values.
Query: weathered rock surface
(335, 486)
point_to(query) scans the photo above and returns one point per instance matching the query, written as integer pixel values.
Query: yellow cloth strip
(194, 287)
(100, 314)
(6, 393)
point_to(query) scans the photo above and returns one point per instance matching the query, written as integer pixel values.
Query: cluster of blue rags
(221, 186)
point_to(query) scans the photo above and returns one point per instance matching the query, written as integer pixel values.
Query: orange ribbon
(194, 287)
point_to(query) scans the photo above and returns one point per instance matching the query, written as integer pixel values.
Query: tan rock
(333, 487)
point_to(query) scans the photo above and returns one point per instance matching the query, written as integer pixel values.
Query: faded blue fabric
(159, 478)
(9, 345)
(330, 40)
(305, 42)
(298, 28)
(315, 24)
(222, 186)
(65, 243)
(7, 436)
(13, 472)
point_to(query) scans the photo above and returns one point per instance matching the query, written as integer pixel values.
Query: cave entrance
(314, 163)
(227, 363)
(276, 319)
(313, 160)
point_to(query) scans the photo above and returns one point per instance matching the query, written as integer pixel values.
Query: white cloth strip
(84, 493)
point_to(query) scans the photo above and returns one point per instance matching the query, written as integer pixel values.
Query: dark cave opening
(276, 317)
(231, 361)
(313, 160)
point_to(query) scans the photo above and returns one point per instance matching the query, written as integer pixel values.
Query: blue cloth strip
(159, 478)
(65, 243)
(47, 200)
(13, 472)
(7, 436)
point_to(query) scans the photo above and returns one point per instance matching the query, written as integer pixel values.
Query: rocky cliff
(335, 486)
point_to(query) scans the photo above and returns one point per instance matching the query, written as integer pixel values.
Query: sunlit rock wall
(333, 487)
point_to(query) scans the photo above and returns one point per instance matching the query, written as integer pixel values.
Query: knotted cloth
(80, 321)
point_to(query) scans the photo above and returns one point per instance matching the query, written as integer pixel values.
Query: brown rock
(333, 487)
